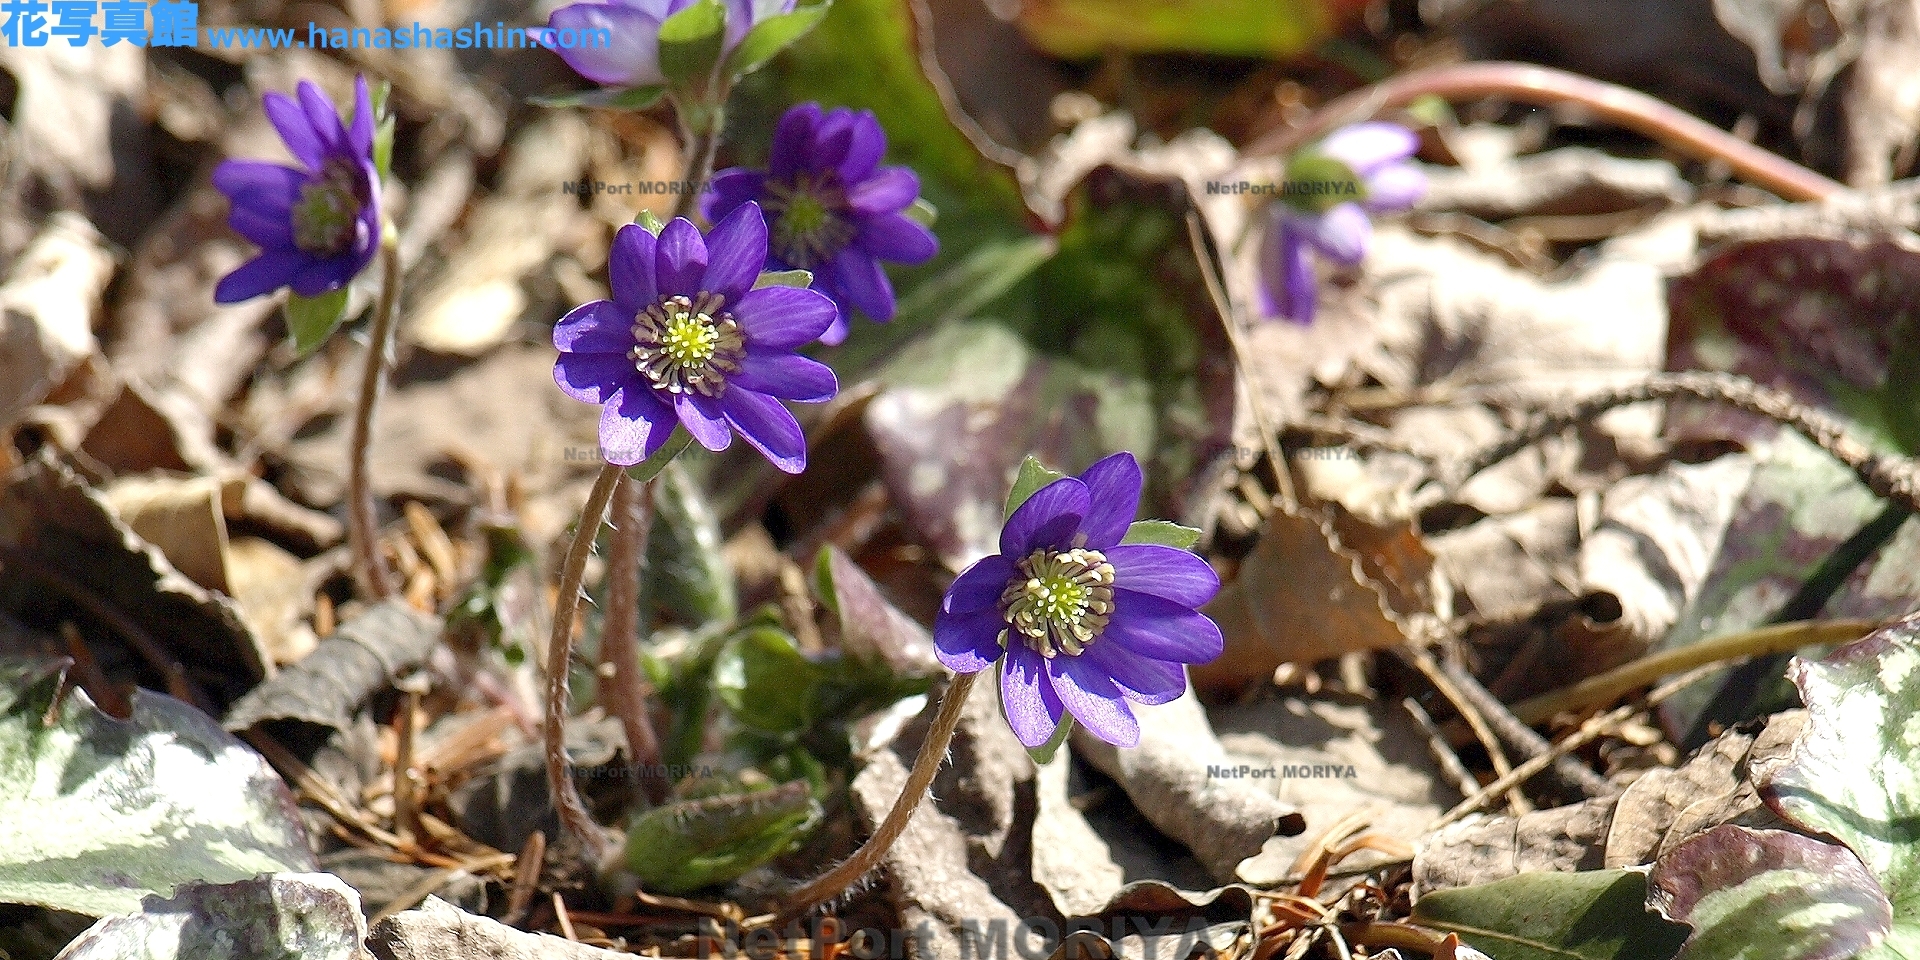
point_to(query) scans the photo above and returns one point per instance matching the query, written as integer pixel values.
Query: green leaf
(1595, 915)
(690, 43)
(1854, 774)
(871, 629)
(1318, 183)
(1163, 532)
(772, 35)
(1044, 753)
(1769, 895)
(1265, 29)
(647, 221)
(689, 844)
(382, 129)
(1032, 477)
(766, 682)
(311, 320)
(612, 98)
(285, 916)
(686, 570)
(677, 442)
(784, 278)
(96, 813)
(922, 212)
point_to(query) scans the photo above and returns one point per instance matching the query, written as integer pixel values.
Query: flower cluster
(833, 208)
(317, 225)
(1081, 621)
(1367, 162)
(688, 340)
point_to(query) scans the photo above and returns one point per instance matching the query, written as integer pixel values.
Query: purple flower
(633, 59)
(317, 225)
(1080, 622)
(1372, 167)
(833, 208)
(686, 339)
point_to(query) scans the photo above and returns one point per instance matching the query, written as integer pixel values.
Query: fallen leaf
(46, 310)
(281, 916)
(1803, 898)
(359, 659)
(181, 516)
(1595, 915)
(439, 930)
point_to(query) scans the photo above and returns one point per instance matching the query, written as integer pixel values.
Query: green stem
(363, 528)
(700, 126)
(934, 750)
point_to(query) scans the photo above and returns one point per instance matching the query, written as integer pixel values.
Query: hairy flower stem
(574, 818)
(1545, 86)
(932, 753)
(623, 688)
(363, 528)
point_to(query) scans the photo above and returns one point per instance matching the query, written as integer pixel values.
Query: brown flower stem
(700, 130)
(623, 689)
(574, 818)
(1545, 86)
(932, 753)
(363, 529)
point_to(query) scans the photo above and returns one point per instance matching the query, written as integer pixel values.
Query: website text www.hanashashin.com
(176, 23)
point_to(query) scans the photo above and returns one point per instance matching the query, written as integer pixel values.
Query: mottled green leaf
(1596, 915)
(686, 570)
(688, 844)
(1769, 895)
(96, 812)
(1854, 774)
(311, 320)
(772, 35)
(1163, 532)
(286, 916)
(870, 628)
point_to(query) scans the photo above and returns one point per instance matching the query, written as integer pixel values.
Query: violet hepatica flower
(633, 59)
(1080, 622)
(317, 225)
(1330, 190)
(833, 209)
(687, 340)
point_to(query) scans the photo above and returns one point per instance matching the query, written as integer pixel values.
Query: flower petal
(630, 269)
(1161, 629)
(704, 418)
(1049, 518)
(1113, 495)
(268, 223)
(1366, 147)
(1395, 187)
(894, 237)
(631, 60)
(1300, 284)
(736, 252)
(782, 318)
(680, 259)
(832, 137)
(788, 376)
(256, 183)
(792, 141)
(968, 642)
(1341, 233)
(1028, 696)
(979, 586)
(595, 377)
(265, 273)
(836, 332)
(888, 191)
(864, 150)
(729, 189)
(291, 122)
(1094, 699)
(860, 282)
(316, 277)
(360, 134)
(598, 327)
(1140, 679)
(1165, 572)
(768, 427)
(323, 118)
(634, 426)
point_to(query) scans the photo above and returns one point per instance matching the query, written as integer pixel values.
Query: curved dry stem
(623, 687)
(1545, 86)
(925, 766)
(363, 530)
(574, 818)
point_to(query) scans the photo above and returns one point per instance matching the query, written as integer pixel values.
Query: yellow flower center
(805, 213)
(1059, 601)
(684, 344)
(326, 213)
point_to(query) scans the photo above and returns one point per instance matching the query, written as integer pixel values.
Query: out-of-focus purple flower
(633, 58)
(1303, 220)
(833, 209)
(687, 340)
(1080, 622)
(317, 225)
